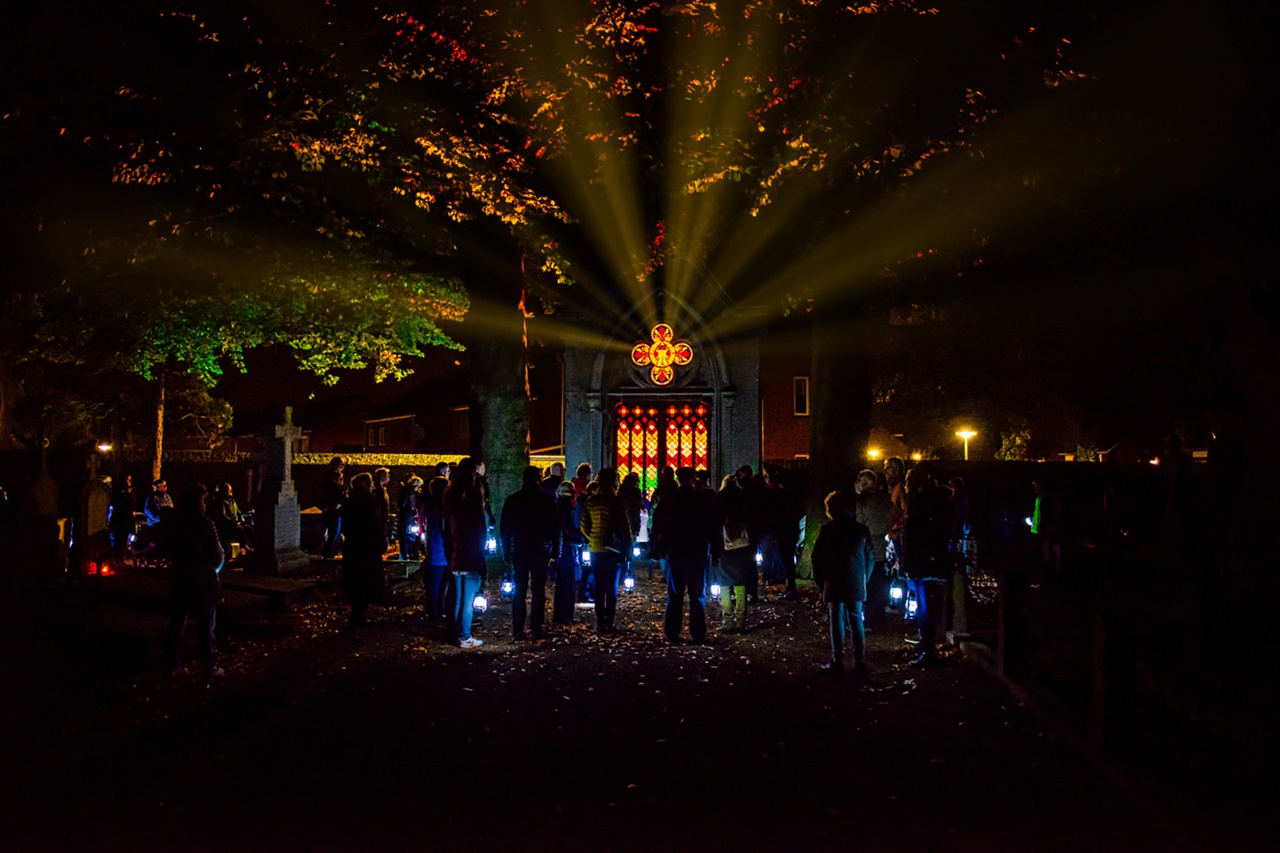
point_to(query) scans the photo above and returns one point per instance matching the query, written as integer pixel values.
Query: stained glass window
(646, 438)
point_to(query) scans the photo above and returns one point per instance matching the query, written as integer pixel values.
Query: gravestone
(95, 539)
(277, 520)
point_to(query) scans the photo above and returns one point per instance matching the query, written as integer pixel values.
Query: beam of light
(791, 181)
(704, 117)
(603, 191)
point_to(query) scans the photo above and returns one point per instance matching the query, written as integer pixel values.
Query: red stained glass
(661, 355)
(648, 437)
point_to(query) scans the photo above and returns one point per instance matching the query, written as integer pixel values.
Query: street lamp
(873, 453)
(966, 434)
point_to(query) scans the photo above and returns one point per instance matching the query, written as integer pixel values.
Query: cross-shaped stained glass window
(662, 355)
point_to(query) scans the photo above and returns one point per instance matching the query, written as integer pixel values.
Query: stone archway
(721, 377)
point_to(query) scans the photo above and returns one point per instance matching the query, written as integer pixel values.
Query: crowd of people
(579, 534)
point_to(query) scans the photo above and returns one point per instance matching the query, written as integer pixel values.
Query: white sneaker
(470, 643)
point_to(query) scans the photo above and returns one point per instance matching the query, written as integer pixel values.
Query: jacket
(195, 556)
(685, 528)
(528, 526)
(569, 536)
(434, 545)
(603, 515)
(876, 512)
(843, 560)
(464, 513)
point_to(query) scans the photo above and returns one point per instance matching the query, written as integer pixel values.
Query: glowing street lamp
(966, 434)
(873, 453)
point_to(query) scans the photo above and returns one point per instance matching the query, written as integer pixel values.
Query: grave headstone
(95, 500)
(277, 521)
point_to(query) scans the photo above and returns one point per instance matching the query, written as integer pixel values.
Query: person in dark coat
(875, 510)
(567, 556)
(195, 558)
(158, 504)
(924, 557)
(225, 513)
(466, 522)
(120, 520)
(382, 500)
(632, 500)
(736, 571)
(435, 560)
(364, 543)
(550, 484)
(529, 529)
(666, 485)
(332, 496)
(685, 534)
(409, 519)
(842, 562)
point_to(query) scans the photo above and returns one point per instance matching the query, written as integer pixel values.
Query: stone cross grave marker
(277, 520)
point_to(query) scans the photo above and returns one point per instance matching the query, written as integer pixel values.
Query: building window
(382, 436)
(648, 437)
(371, 437)
(801, 388)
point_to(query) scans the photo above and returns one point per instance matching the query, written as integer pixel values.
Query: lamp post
(966, 434)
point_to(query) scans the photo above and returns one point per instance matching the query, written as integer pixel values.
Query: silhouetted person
(924, 557)
(1046, 526)
(409, 519)
(604, 524)
(465, 516)
(895, 485)
(529, 530)
(567, 556)
(382, 500)
(121, 521)
(685, 534)
(581, 479)
(158, 504)
(842, 561)
(737, 569)
(226, 516)
(195, 558)
(333, 494)
(551, 483)
(364, 543)
(875, 512)
(435, 560)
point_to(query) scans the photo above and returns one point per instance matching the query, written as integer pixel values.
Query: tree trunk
(840, 413)
(158, 448)
(500, 407)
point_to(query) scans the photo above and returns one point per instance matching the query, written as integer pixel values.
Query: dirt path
(324, 738)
